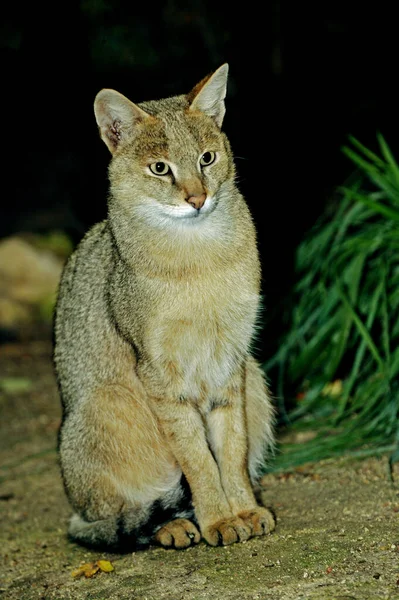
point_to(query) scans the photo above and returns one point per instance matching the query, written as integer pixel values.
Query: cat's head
(169, 157)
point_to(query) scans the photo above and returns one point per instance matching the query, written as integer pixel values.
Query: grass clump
(340, 356)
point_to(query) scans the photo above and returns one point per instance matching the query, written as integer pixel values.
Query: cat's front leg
(228, 437)
(184, 430)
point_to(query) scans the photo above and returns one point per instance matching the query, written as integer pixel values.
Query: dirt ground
(337, 536)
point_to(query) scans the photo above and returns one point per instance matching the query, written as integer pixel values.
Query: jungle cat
(166, 415)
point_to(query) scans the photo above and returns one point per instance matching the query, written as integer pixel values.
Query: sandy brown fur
(167, 418)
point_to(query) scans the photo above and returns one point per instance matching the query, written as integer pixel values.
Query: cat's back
(85, 271)
(82, 317)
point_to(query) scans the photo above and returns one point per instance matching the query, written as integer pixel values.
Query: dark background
(302, 77)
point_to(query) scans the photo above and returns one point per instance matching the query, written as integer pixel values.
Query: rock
(29, 279)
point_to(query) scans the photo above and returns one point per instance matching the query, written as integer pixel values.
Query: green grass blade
(386, 211)
(389, 158)
(359, 354)
(366, 151)
(362, 330)
(366, 166)
(385, 319)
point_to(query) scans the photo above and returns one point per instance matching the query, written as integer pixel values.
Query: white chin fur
(181, 211)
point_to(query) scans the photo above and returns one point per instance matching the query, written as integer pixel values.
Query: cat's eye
(207, 158)
(160, 168)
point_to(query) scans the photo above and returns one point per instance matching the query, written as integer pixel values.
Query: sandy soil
(337, 536)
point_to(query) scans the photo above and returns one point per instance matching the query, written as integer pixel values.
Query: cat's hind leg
(121, 478)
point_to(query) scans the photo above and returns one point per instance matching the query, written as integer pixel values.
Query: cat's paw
(180, 533)
(226, 531)
(259, 519)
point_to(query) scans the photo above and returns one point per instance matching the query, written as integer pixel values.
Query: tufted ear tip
(209, 94)
(224, 68)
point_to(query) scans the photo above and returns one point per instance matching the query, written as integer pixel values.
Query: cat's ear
(209, 94)
(116, 117)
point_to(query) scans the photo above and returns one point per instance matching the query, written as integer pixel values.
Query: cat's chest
(200, 335)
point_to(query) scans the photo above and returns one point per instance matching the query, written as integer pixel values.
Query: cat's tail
(135, 528)
(112, 534)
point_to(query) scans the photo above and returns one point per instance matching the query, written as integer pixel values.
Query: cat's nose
(196, 202)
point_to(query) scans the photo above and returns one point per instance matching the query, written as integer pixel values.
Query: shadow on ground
(337, 536)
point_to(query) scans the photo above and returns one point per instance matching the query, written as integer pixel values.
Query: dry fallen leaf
(105, 566)
(90, 569)
(82, 570)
